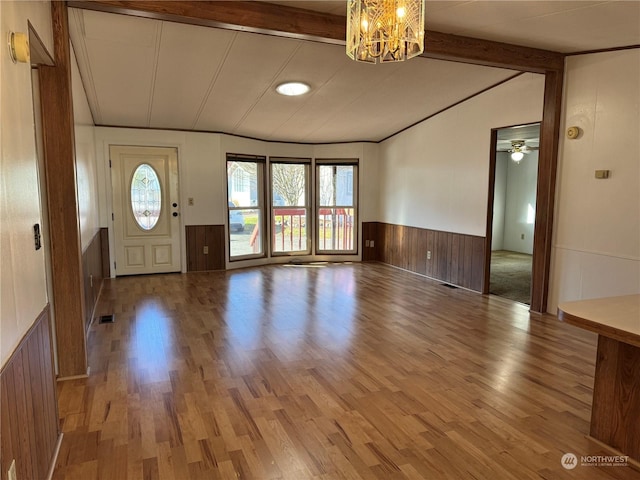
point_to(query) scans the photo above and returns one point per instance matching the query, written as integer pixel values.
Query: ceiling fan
(518, 149)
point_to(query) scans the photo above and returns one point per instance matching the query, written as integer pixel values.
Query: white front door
(145, 209)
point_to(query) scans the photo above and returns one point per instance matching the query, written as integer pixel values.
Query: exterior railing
(335, 229)
(289, 230)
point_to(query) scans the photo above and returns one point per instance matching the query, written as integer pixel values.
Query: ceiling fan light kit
(517, 156)
(381, 31)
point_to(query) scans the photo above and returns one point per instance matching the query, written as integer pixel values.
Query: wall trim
(601, 254)
(602, 50)
(54, 458)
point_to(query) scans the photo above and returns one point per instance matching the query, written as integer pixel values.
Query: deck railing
(289, 230)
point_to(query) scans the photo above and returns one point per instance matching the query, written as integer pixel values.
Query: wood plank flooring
(357, 371)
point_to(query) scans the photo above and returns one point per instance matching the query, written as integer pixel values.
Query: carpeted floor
(511, 275)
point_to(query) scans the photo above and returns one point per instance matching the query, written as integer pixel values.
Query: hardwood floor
(354, 371)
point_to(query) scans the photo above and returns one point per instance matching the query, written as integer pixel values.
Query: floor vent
(107, 319)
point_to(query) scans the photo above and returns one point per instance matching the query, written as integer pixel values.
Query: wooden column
(60, 171)
(616, 396)
(545, 194)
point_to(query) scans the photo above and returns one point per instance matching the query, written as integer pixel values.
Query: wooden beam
(545, 194)
(256, 17)
(267, 18)
(445, 46)
(60, 170)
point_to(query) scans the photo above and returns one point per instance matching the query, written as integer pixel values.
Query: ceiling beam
(291, 22)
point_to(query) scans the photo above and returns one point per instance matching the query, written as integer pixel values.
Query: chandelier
(385, 30)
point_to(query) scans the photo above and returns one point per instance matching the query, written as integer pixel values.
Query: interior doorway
(514, 183)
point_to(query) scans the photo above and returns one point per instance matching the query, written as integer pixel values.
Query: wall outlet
(205, 250)
(190, 201)
(428, 254)
(371, 244)
(11, 474)
(367, 243)
(522, 236)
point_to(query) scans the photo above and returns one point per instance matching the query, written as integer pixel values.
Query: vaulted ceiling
(142, 72)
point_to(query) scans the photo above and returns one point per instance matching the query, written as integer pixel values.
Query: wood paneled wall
(456, 258)
(28, 401)
(200, 236)
(92, 272)
(370, 234)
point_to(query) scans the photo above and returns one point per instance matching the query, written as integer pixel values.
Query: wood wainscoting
(29, 410)
(200, 236)
(456, 258)
(93, 262)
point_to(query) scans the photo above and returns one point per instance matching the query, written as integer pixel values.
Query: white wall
(596, 249)
(202, 168)
(86, 171)
(520, 203)
(435, 175)
(23, 292)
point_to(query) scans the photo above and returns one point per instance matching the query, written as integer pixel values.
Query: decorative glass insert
(146, 196)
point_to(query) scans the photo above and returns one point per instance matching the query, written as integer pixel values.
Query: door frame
(486, 284)
(116, 141)
(537, 282)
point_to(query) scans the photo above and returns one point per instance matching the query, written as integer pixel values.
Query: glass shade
(385, 30)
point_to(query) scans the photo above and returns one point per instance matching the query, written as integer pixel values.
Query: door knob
(175, 204)
(175, 214)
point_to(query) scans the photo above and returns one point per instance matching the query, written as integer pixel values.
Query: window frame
(307, 163)
(337, 162)
(260, 162)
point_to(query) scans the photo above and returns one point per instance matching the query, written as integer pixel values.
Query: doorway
(145, 210)
(515, 179)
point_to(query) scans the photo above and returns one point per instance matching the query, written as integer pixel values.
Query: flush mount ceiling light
(293, 89)
(385, 30)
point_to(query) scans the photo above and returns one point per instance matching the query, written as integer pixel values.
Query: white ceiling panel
(177, 100)
(316, 64)
(249, 71)
(150, 73)
(121, 55)
(563, 26)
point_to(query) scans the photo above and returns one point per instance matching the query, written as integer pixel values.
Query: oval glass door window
(146, 196)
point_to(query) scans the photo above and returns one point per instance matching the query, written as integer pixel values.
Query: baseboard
(74, 377)
(54, 459)
(632, 462)
(95, 306)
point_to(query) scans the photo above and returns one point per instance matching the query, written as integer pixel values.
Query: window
(289, 205)
(146, 196)
(336, 207)
(245, 206)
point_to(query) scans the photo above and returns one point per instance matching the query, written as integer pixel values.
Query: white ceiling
(139, 72)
